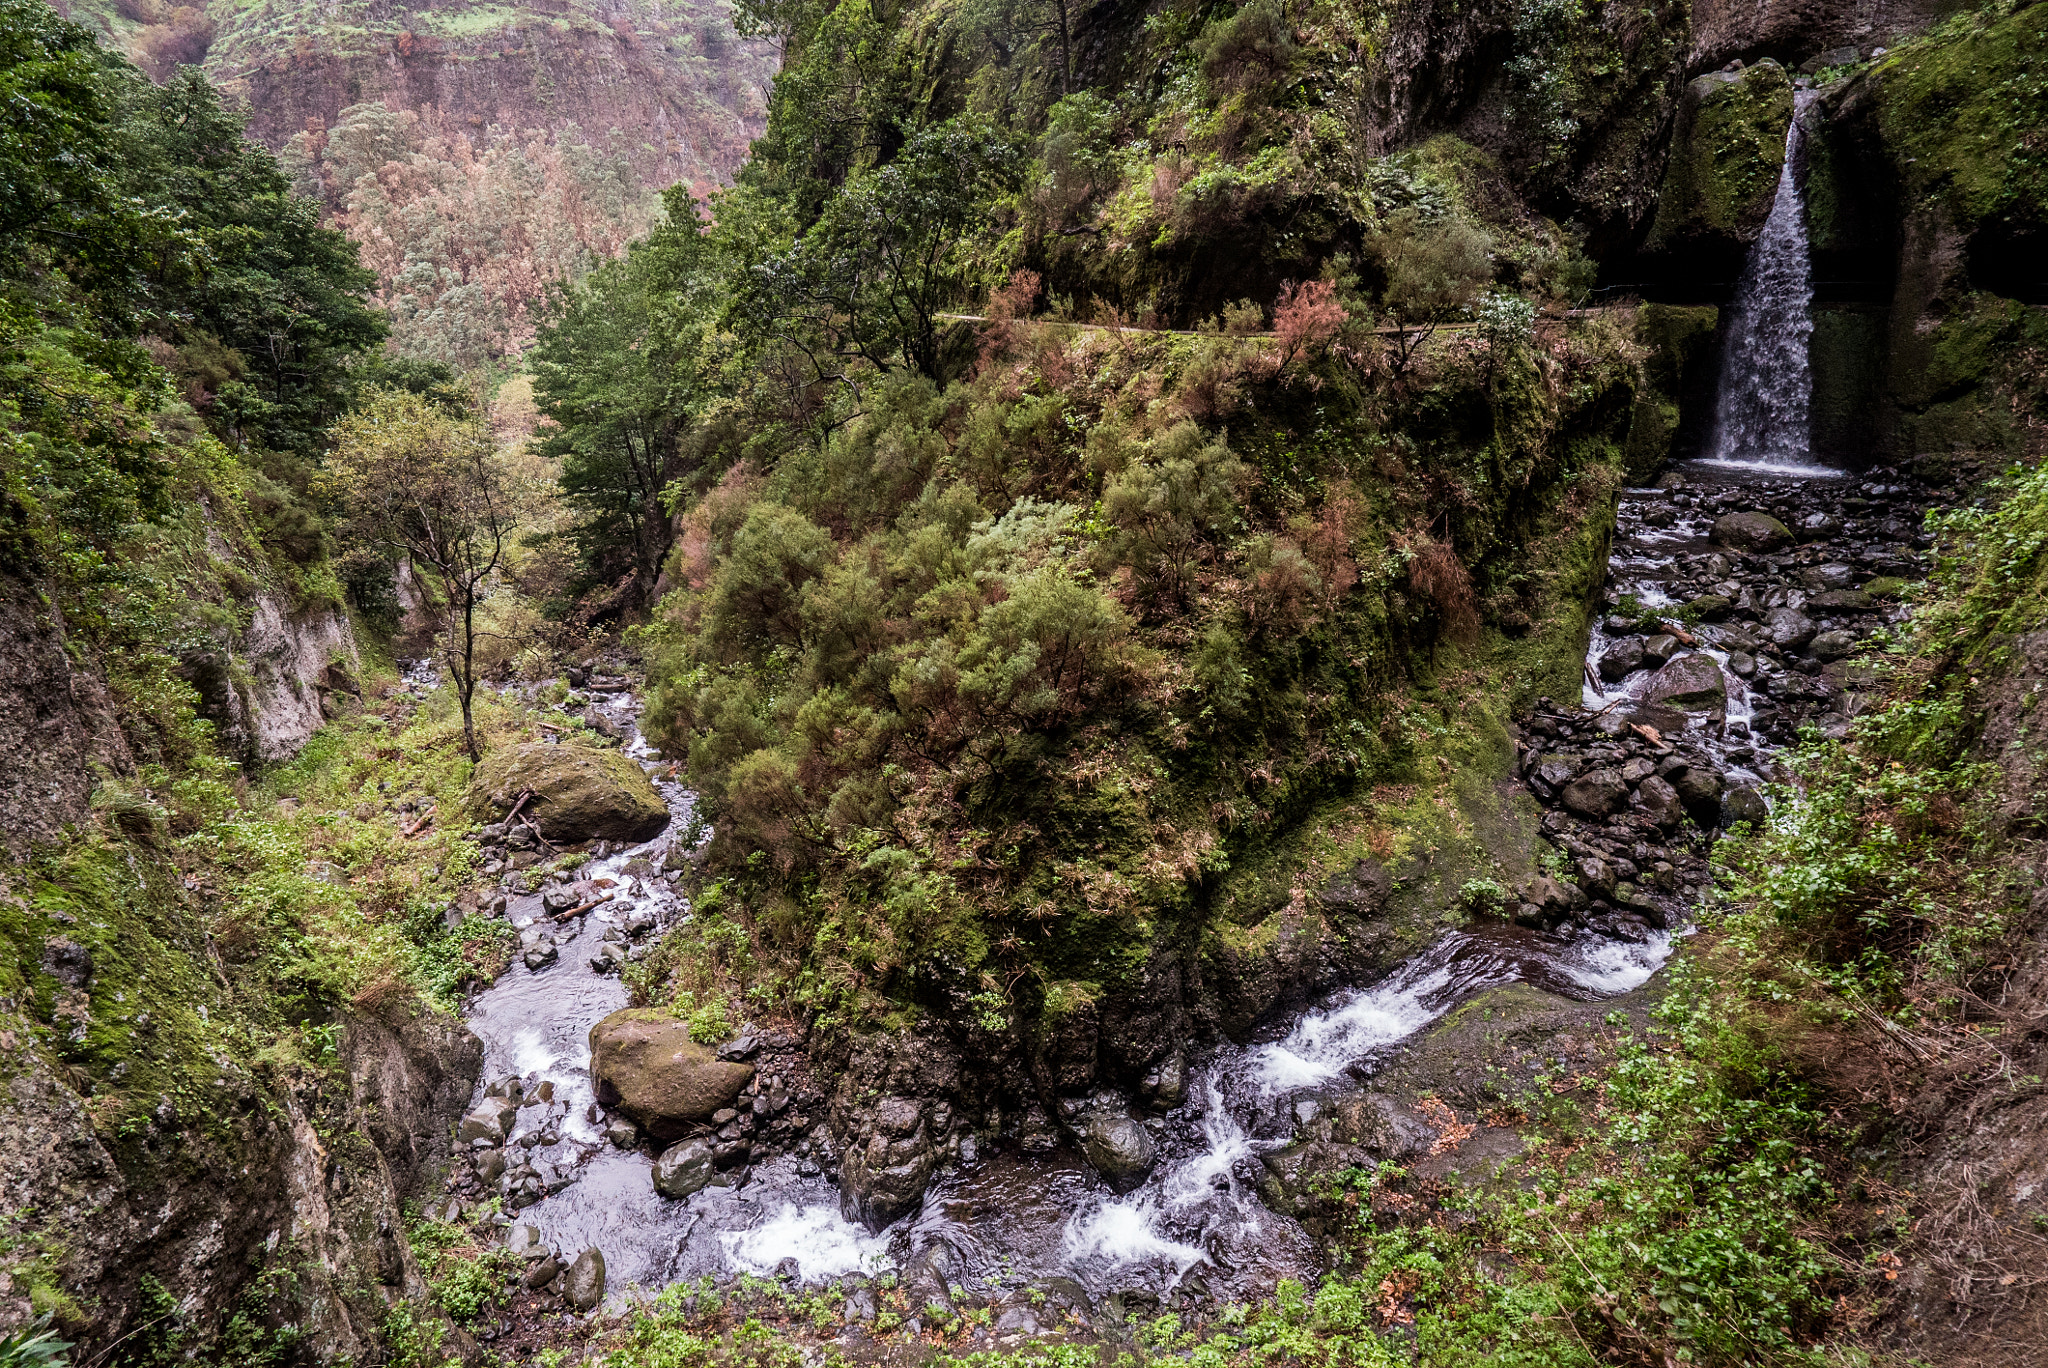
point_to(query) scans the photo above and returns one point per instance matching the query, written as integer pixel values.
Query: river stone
(580, 793)
(523, 1241)
(490, 1165)
(492, 1120)
(1833, 645)
(1699, 789)
(1788, 628)
(1596, 876)
(1622, 659)
(1119, 1147)
(1693, 682)
(1556, 770)
(1596, 794)
(1741, 664)
(1659, 802)
(585, 1287)
(646, 1065)
(1658, 649)
(1843, 601)
(1754, 532)
(1834, 575)
(684, 1168)
(1743, 804)
(1710, 607)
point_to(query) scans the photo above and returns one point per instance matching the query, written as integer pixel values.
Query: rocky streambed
(1735, 602)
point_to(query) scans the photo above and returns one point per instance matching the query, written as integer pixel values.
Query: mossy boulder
(645, 1064)
(1726, 156)
(579, 793)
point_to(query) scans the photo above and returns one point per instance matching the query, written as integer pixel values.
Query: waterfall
(1760, 416)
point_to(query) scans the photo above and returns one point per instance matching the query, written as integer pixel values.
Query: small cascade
(1760, 416)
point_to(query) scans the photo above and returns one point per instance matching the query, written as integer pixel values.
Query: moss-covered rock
(579, 793)
(646, 1065)
(1680, 341)
(1726, 156)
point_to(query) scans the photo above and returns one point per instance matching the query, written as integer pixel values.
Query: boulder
(1118, 1147)
(1596, 876)
(585, 1285)
(1699, 789)
(1598, 793)
(1659, 801)
(684, 1168)
(1788, 628)
(1710, 607)
(1622, 659)
(1693, 682)
(884, 1175)
(1835, 575)
(579, 793)
(1759, 533)
(491, 1121)
(1832, 645)
(1843, 601)
(646, 1065)
(1727, 147)
(1658, 649)
(1743, 804)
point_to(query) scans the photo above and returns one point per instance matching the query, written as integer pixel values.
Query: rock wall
(675, 77)
(56, 722)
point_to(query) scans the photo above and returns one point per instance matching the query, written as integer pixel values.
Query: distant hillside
(476, 151)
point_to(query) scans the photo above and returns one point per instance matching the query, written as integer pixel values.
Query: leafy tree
(894, 247)
(616, 370)
(409, 478)
(1432, 269)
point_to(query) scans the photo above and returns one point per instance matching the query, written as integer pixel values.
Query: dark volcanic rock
(1596, 794)
(1693, 682)
(1758, 533)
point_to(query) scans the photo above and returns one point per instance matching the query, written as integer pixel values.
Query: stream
(1005, 1219)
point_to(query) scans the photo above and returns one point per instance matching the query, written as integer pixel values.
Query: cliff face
(671, 75)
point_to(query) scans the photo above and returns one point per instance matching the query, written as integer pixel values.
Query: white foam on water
(530, 1053)
(1771, 467)
(823, 1243)
(1607, 966)
(1322, 1044)
(1125, 1231)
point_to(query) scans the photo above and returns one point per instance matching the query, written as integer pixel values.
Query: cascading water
(1761, 414)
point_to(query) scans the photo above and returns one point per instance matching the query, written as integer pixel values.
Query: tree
(615, 369)
(1432, 269)
(890, 250)
(412, 479)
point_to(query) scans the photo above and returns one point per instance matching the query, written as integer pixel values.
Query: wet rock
(1743, 804)
(1710, 607)
(1832, 645)
(1842, 601)
(885, 1175)
(1596, 794)
(1788, 628)
(1699, 790)
(1622, 659)
(1659, 649)
(1659, 801)
(540, 956)
(1757, 533)
(1821, 578)
(646, 1065)
(744, 1048)
(1361, 890)
(1165, 1085)
(860, 1306)
(580, 793)
(523, 1241)
(490, 1165)
(1596, 876)
(685, 1167)
(1693, 682)
(1741, 664)
(1118, 1147)
(585, 1285)
(1020, 1320)
(1556, 771)
(491, 1121)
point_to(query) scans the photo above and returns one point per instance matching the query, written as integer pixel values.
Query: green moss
(1726, 158)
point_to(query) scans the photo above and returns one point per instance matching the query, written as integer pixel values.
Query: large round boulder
(684, 1168)
(1118, 1146)
(645, 1064)
(579, 793)
(1693, 682)
(1756, 532)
